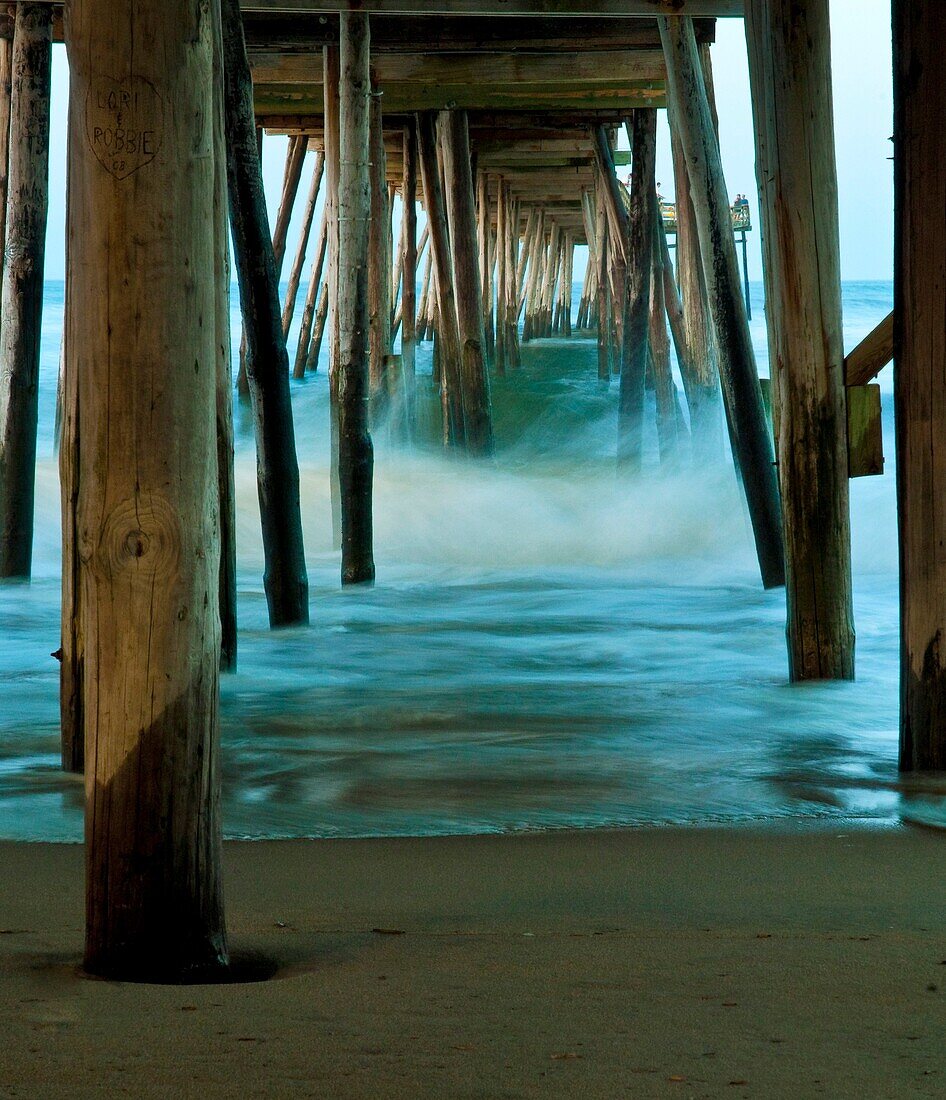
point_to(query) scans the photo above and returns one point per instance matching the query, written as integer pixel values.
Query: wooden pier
(501, 119)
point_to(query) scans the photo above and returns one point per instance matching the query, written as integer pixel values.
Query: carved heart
(124, 121)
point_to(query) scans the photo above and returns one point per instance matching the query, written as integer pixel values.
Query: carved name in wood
(124, 123)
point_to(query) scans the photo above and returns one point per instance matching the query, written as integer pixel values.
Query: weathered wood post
(295, 161)
(409, 276)
(486, 258)
(502, 279)
(448, 338)
(226, 488)
(72, 645)
(513, 352)
(22, 294)
(665, 390)
(742, 392)
(790, 68)
(919, 29)
(300, 364)
(461, 207)
(6, 95)
(379, 277)
(604, 314)
(267, 362)
(141, 217)
(355, 451)
(298, 263)
(640, 248)
(330, 84)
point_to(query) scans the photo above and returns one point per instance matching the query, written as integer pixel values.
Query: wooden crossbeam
(271, 66)
(871, 355)
(470, 34)
(283, 99)
(615, 9)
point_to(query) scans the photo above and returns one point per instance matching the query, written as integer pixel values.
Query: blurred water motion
(547, 646)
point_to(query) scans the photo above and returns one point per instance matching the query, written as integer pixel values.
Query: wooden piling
(267, 362)
(602, 240)
(318, 331)
(919, 29)
(790, 69)
(461, 206)
(502, 279)
(665, 390)
(640, 248)
(487, 261)
(226, 488)
(447, 330)
(701, 379)
(22, 292)
(355, 451)
(143, 220)
(301, 361)
(6, 95)
(742, 392)
(331, 77)
(409, 276)
(298, 263)
(379, 277)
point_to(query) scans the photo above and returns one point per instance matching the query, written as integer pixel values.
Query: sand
(664, 963)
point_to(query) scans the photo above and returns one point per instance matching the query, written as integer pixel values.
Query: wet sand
(680, 963)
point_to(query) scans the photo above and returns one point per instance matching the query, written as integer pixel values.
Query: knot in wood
(142, 538)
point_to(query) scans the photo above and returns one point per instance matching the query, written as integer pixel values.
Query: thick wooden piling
(6, 95)
(448, 343)
(330, 83)
(749, 430)
(919, 29)
(22, 293)
(461, 207)
(267, 362)
(226, 487)
(355, 451)
(72, 645)
(790, 69)
(640, 248)
(142, 219)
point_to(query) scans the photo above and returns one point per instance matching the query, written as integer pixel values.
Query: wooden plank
(865, 431)
(871, 355)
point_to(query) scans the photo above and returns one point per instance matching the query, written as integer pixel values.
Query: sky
(863, 108)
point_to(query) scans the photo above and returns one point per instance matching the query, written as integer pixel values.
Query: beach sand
(662, 962)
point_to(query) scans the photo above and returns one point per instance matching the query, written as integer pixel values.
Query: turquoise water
(547, 646)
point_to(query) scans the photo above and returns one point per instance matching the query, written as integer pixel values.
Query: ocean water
(547, 645)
